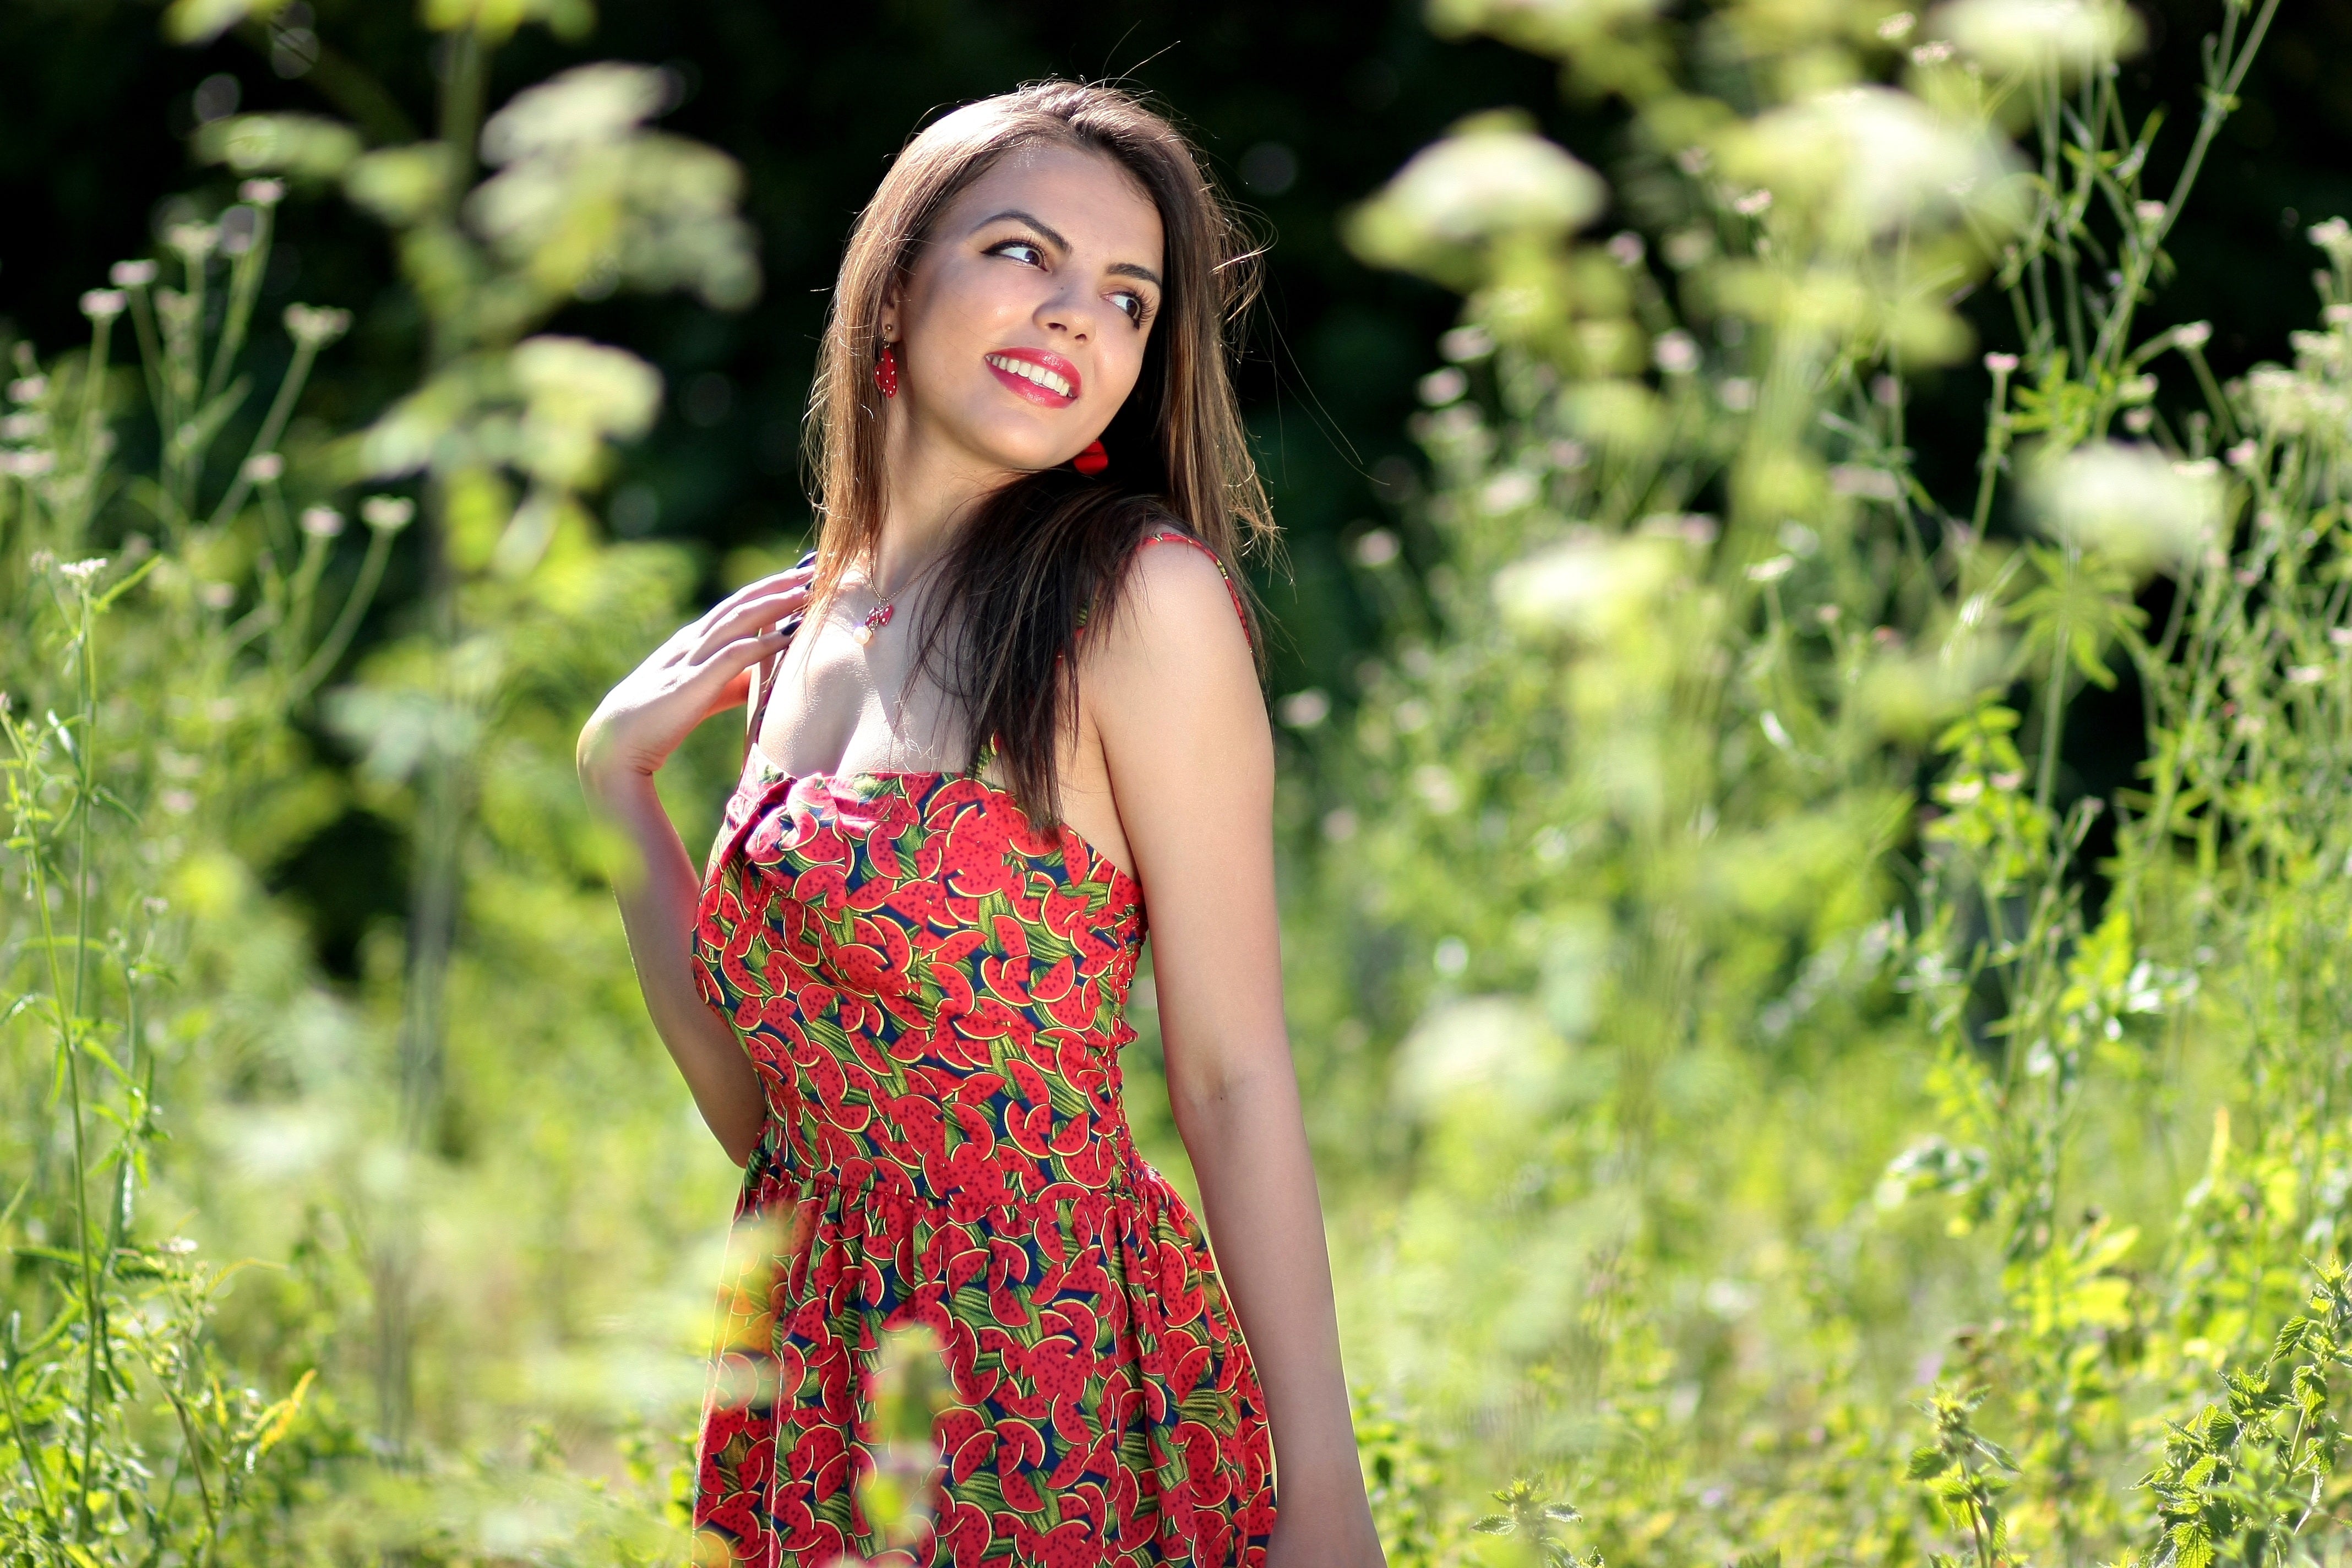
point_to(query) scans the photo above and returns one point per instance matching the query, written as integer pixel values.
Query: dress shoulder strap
(764, 675)
(1232, 591)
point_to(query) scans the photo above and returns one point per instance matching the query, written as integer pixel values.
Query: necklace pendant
(875, 619)
(864, 633)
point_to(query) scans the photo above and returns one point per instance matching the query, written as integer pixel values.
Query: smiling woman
(899, 996)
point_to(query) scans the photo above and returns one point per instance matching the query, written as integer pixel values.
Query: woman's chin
(1024, 457)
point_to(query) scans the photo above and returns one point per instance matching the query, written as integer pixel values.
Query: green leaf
(1928, 1463)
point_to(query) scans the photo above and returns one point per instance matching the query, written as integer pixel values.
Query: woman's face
(1020, 328)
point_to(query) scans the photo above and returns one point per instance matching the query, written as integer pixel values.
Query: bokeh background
(1303, 109)
(1740, 1061)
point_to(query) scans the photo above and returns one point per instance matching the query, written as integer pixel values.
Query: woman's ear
(894, 294)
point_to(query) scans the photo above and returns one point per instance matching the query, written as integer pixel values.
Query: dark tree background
(1303, 109)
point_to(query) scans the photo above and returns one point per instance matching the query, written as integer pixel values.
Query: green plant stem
(150, 352)
(244, 286)
(347, 621)
(68, 1023)
(194, 1451)
(93, 401)
(1995, 448)
(281, 407)
(191, 352)
(16, 1428)
(2053, 697)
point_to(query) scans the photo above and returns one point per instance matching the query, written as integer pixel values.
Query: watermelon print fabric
(934, 994)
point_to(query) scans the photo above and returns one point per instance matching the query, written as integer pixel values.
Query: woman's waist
(1003, 1190)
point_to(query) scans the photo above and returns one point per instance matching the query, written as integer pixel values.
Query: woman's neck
(933, 487)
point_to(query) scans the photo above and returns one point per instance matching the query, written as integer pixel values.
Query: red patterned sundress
(934, 994)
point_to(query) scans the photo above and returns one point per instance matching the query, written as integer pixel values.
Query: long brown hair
(1049, 552)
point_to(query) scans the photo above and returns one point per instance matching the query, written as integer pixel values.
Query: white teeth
(1036, 372)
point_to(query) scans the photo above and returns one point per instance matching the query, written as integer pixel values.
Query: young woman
(1009, 705)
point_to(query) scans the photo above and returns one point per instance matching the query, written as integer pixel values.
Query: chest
(839, 705)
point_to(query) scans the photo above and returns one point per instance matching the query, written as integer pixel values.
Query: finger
(753, 616)
(732, 659)
(798, 578)
(724, 622)
(699, 628)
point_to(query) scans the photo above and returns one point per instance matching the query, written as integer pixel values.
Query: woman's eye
(1019, 250)
(1136, 306)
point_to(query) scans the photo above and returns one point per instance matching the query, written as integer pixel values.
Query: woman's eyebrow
(1053, 236)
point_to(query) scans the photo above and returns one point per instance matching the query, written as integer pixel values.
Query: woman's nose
(1070, 313)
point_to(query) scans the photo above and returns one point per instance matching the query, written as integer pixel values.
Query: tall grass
(1797, 1145)
(310, 1269)
(1767, 1108)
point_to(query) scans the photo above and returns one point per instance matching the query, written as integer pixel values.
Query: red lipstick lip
(1043, 358)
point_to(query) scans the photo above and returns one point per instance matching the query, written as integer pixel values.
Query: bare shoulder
(1171, 681)
(1176, 613)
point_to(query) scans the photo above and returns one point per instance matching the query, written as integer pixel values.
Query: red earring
(886, 370)
(1091, 461)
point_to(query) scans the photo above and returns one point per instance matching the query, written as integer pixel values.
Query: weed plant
(1754, 1129)
(304, 1270)
(1795, 1139)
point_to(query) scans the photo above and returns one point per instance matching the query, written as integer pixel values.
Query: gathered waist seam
(1132, 1179)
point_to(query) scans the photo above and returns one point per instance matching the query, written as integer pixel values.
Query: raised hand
(704, 668)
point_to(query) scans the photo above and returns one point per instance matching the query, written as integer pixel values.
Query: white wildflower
(82, 571)
(388, 513)
(103, 304)
(2190, 336)
(194, 241)
(1464, 345)
(1587, 585)
(2334, 237)
(131, 274)
(265, 468)
(2129, 502)
(1897, 27)
(1493, 177)
(1305, 710)
(315, 326)
(322, 521)
(1440, 387)
(262, 192)
(2066, 35)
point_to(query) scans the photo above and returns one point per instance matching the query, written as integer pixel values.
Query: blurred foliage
(1784, 1091)
(1788, 1125)
(440, 1340)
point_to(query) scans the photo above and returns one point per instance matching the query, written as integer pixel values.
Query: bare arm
(657, 909)
(702, 670)
(1172, 694)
